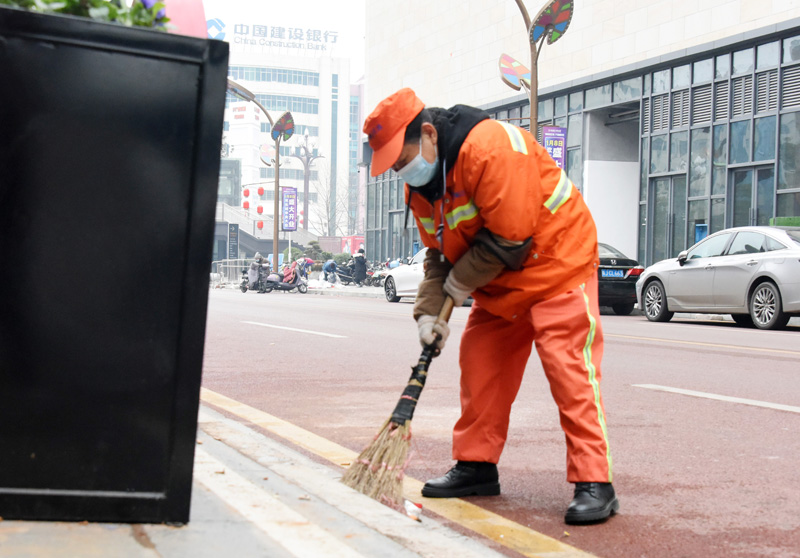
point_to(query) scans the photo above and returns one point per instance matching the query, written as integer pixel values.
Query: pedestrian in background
(360, 267)
(329, 271)
(504, 223)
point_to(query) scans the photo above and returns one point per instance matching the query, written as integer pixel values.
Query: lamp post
(306, 158)
(247, 95)
(551, 22)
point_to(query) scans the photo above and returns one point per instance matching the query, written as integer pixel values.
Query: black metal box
(109, 160)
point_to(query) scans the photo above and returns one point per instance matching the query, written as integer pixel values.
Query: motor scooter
(274, 283)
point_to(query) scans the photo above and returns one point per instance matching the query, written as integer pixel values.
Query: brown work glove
(487, 258)
(430, 296)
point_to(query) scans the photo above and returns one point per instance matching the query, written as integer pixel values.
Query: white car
(404, 280)
(752, 273)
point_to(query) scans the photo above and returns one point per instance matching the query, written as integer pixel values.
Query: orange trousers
(569, 340)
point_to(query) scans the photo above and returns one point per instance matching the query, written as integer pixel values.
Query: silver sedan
(752, 273)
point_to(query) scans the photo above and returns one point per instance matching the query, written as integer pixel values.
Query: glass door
(669, 217)
(753, 196)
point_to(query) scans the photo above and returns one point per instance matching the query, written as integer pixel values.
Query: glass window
(561, 121)
(699, 171)
(545, 110)
(575, 130)
(576, 101)
(698, 215)
(598, 96)
(642, 231)
(747, 242)
(561, 105)
(681, 76)
(575, 168)
(789, 152)
(643, 169)
(661, 81)
(720, 159)
(789, 205)
(764, 139)
(723, 66)
(743, 61)
(627, 90)
(771, 245)
(646, 90)
(740, 142)
(501, 115)
(768, 55)
(658, 154)
(717, 215)
(703, 71)
(791, 49)
(710, 247)
(513, 114)
(679, 149)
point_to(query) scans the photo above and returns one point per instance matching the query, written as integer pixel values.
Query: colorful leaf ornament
(284, 125)
(553, 20)
(513, 73)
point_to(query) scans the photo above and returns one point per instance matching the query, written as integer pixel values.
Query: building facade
(682, 119)
(296, 67)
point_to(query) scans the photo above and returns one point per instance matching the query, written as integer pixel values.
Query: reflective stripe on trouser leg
(493, 357)
(569, 340)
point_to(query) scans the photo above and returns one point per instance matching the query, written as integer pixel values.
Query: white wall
(611, 190)
(448, 50)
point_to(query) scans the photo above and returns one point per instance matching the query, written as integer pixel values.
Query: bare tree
(328, 215)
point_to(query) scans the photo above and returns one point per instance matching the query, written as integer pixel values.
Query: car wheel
(390, 290)
(655, 303)
(743, 320)
(623, 308)
(766, 308)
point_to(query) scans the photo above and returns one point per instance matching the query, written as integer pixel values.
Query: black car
(617, 276)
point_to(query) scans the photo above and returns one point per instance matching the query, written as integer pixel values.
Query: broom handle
(404, 410)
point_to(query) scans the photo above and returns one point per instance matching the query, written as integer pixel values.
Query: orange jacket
(505, 181)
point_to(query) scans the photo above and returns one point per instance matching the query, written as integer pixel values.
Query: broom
(378, 471)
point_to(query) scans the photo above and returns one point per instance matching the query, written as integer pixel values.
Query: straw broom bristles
(379, 470)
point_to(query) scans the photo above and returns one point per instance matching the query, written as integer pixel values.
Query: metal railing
(227, 272)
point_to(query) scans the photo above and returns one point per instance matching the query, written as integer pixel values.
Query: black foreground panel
(109, 162)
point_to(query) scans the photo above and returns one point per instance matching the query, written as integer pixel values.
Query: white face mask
(419, 172)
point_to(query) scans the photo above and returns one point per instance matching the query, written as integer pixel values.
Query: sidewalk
(252, 497)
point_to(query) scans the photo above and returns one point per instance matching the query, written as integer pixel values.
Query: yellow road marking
(702, 344)
(503, 531)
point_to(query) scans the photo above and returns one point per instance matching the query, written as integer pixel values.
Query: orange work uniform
(503, 180)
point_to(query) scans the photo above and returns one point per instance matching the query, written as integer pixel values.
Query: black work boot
(466, 478)
(593, 501)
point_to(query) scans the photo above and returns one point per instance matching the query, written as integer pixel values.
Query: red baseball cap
(386, 127)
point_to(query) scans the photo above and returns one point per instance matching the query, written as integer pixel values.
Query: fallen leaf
(304, 497)
(222, 472)
(200, 442)
(266, 478)
(566, 534)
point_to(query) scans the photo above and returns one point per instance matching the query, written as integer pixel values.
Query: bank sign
(270, 35)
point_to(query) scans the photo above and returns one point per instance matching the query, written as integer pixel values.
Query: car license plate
(612, 273)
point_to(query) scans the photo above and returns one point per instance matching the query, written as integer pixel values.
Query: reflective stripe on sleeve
(515, 135)
(427, 224)
(560, 194)
(461, 213)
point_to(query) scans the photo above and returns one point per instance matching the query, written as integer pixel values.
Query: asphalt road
(703, 416)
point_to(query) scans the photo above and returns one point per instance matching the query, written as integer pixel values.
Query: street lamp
(306, 158)
(551, 22)
(285, 128)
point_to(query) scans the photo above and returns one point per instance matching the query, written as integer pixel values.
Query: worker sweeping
(504, 224)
